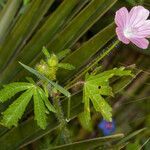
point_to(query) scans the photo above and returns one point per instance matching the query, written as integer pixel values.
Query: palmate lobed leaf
(49, 106)
(98, 101)
(16, 109)
(85, 117)
(39, 109)
(110, 73)
(95, 87)
(106, 90)
(11, 89)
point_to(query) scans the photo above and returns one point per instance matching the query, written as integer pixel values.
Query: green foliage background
(87, 28)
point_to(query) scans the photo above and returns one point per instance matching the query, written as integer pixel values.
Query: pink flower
(133, 26)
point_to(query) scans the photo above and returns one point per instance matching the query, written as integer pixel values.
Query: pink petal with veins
(141, 43)
(145, 26)
(121, 17)
(133, 26)
(121, 36)
(137, 16)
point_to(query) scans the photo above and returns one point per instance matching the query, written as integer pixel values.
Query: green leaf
(26, 133)
(131, 2)
(109, 74)
(30, 80)
(88, 144)
(46, 100)
(97, 86)
(98, 101)
(85, 120)
(132, 146)
(7, 15)
(85, 117)
(81, 23)
(48, 30)
(106, 90)
(46, 53)
(22, 30)
(63, 53)
(2, 3)
(39, 109)
(130, 136)
(76, 100)
(86, 51)
(123, 82)
(25, 2)
(29, 130)
(66, 66)
(11, 89)
(42, 77)
(16, 109)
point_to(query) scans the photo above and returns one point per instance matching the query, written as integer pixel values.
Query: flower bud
(43, 68)
(53, 61)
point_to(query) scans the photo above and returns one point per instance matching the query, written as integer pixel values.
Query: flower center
(108, 125)
(129, 32)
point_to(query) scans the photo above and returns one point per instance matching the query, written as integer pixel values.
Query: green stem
(105, 53)
(62, 120)
(68, 113)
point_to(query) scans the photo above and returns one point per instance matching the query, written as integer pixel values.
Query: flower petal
(141, 43)
(145, 29)
(145, 25)
(142, 34)
(121, 17)
(137, 16)
(121, 36)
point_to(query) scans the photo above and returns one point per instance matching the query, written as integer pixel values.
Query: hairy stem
(62, 120)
